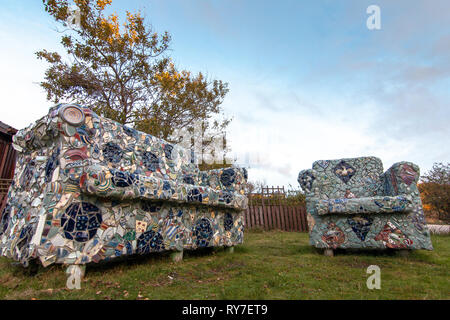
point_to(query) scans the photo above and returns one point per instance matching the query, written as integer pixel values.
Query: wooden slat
(277, 218)
(283, 223)
(297, 219)
(289, 217)
(284, 216)
(264, 218)
(304, 225)
(260, 210)
(256, 216)
(3, 156)
(280, 218)
(7, 161)
(272, 218)
(294, 219)
(300, 219)
(257, 223)
(12, 163)
(293, 222)
(261, 217)
(252, 217)
(269, 218)
(299, 209)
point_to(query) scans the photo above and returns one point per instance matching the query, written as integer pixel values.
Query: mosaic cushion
(368, 205)
(106, 183)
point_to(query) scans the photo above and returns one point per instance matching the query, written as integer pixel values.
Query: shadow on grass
(36, 269)
(241, 249)
(305, 249)
(139, 260)
(366, 252)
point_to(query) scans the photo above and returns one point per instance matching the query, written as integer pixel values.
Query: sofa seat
(101, 181)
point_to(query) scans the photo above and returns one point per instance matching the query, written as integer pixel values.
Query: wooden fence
(7, 162)
(269, 210)
(4, 187)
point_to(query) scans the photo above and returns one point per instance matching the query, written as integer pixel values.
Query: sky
(308, 80)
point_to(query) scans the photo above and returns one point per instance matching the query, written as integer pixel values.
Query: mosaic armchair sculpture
(88, 189)
(351, 203)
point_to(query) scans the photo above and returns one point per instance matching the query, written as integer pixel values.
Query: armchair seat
(365, 205)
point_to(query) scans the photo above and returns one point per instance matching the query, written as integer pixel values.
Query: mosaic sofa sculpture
(88, 189)
(351, 203)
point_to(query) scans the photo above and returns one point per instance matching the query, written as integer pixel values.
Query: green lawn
(270, 265)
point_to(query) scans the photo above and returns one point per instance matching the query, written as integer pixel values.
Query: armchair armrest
(230, 179)
(367, 205)
(308, 181)
(401, 178)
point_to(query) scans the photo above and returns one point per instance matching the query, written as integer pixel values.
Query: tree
(435, 190)
(255, 186)
(124, 73)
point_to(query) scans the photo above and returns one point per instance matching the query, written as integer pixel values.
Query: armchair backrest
(348, 178)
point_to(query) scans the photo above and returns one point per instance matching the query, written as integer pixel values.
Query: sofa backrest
(348, 178)
(84, 138)
(130, 150)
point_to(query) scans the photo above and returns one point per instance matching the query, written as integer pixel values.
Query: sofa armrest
(230, 179)
(401, 178)
(41, 133)
(367, 205)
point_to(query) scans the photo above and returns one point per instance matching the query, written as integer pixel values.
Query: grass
(269, 265)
